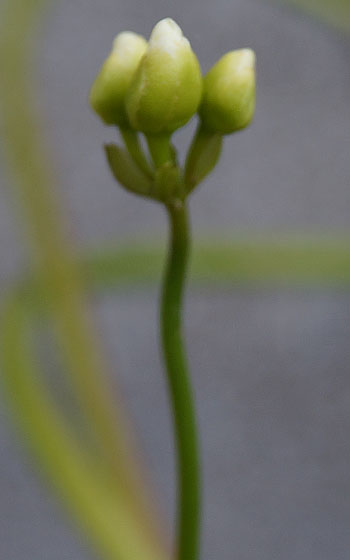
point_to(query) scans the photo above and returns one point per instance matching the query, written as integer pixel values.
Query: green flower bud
(166, 89)
(107, 94)
(229, 93)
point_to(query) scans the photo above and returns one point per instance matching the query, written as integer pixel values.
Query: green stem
(133, 145)
(160, 148)
(188, 519)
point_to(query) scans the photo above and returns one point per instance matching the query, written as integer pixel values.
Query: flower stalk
(180, 389)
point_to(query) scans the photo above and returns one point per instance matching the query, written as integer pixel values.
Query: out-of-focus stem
(60, 282)
(104, 512)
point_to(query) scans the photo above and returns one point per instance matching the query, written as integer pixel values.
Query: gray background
(270, 367)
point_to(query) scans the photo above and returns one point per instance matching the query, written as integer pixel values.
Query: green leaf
(334, 12)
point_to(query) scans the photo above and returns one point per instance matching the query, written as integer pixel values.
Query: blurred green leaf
(290, 261)
(334, 12)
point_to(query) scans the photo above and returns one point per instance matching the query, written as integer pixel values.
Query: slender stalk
(188, 520)
(132, 142)
(160, 148)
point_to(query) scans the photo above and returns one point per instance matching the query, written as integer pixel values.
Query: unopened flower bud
(228, 102)
(107, 95)
(166, 89)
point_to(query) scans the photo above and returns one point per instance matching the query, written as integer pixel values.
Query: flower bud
(229, 93)
(166, 89)
(107, 95)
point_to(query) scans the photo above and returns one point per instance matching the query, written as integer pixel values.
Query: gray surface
(271, 368)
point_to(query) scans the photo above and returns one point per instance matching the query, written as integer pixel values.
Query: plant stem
(188, 520)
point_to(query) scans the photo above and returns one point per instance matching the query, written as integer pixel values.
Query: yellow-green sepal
(126, 172)
(202, 157)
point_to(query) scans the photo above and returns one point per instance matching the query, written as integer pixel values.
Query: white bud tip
(167, 36)
(125, 42)
(247, 60)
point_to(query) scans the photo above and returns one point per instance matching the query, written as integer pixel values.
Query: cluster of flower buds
(156, 87)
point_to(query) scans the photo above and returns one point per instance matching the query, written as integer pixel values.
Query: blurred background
(270, 365)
